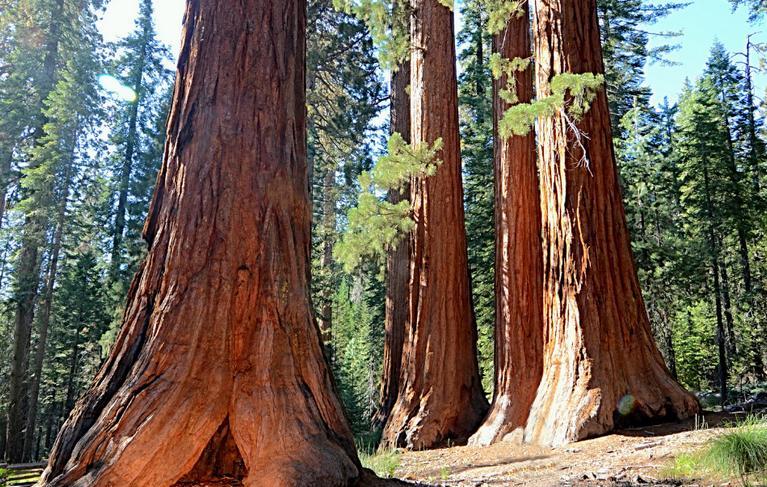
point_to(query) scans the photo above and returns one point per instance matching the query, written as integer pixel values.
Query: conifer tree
(440, 397)
(594, 377)
(344, 94)
(140, 67)
(70, 30)
(702, 152)
(625, 37)
(475, 105)
(519, 258)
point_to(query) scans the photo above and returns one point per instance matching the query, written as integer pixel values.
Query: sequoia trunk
(440, 394)
(519, 259)
(397, 264)
(218, 371)
(601, 368)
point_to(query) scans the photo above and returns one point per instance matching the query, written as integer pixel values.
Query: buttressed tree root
(218, 372)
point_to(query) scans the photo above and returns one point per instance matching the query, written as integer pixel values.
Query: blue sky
(701, 24)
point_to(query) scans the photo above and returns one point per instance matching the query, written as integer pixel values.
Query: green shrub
(740, 453)
(384, 463)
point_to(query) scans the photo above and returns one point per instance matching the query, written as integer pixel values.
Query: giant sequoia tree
(601, 366)
(218, 370)
(440, 393)
(397, 263)
(519, 273)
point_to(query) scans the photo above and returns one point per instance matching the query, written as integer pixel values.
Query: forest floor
(641, 456)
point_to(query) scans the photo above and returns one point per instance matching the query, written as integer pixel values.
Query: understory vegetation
(740, 454)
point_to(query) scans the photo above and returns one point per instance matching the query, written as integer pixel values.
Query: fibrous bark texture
(397, 262)
(440, 394)
(519, 259)
(218, 371)
(602, 369)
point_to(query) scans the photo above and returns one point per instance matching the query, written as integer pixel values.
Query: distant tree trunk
(668, 338)
(326, 261)
(27, 275)
(3, 426)
(440, 393)
(741, 215)
(28, 264)
(218, 371)
(519, 257)
(74, 366)
(732, 348)
(5, 185)
(397, 263)
(754, 143)
(127, 167)
(45, 316)
(602, 369)
(721, 341)
(42, 339)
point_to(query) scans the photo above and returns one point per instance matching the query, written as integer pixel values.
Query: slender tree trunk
(3, 427)
(602, 369)
(5, 185)
(519, 257)
(28, 263)
(741, 215)
(27, 271)
(721, 340)
(45, 317)
(326, 261)
(397, 263)
(42, 339)
(218, 370)
(127, 167)
(74, 365)
(440, 393)
(754, 143)
(732, 347)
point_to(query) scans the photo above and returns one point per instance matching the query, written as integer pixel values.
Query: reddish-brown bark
(440, 394)
(519, 259)
(602, 368)
(397, 262)
(218, 370)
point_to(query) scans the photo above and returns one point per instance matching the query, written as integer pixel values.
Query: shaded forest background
(81, 139)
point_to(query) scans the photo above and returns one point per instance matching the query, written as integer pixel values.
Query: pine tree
(625, 36)
(756, 8)
(140, 67)
(71, 31)
(344, 95)
(703, 154)
(475, 98)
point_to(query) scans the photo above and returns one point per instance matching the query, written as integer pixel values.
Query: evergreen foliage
(374, 225)
(475, 109)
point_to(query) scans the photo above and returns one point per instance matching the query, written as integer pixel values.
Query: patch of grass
(686, 466)
(384, 464)
(740, 453)
(3, 477)
(444, 473)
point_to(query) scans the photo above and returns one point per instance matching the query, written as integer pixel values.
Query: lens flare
(115, 87)
(626, 405)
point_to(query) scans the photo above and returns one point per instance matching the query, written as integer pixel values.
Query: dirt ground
(627, 458)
